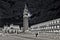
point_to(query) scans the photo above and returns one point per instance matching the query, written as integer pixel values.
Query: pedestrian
(36, 34)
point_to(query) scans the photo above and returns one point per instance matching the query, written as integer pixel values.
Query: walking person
(36, 34)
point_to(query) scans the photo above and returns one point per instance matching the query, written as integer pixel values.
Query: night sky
(11, 11)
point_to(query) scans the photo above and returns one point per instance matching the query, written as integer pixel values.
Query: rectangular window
(35, 27)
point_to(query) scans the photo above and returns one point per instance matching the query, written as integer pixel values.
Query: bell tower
(25, 19)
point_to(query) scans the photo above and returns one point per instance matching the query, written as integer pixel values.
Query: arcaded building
(49, 26)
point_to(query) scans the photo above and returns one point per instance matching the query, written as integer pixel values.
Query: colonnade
(53, 26)
(49, 26)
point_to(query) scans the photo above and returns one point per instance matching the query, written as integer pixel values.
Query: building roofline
(46, 23)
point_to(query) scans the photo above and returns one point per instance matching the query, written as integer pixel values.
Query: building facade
(52, 26)
(12, 29)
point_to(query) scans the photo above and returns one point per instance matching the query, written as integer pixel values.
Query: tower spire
(26, 12)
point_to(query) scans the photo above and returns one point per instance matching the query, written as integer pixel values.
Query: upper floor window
(35, 27)
(54, 21)
(57, 21)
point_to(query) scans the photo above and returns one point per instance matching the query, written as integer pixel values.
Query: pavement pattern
(26, 36)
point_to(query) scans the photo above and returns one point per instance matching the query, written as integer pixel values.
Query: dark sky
(11, 11)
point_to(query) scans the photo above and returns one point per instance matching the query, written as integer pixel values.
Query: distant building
(12, 29)
(14, 26)
(49, 26)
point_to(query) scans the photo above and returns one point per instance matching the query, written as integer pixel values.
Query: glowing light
(29, 15)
